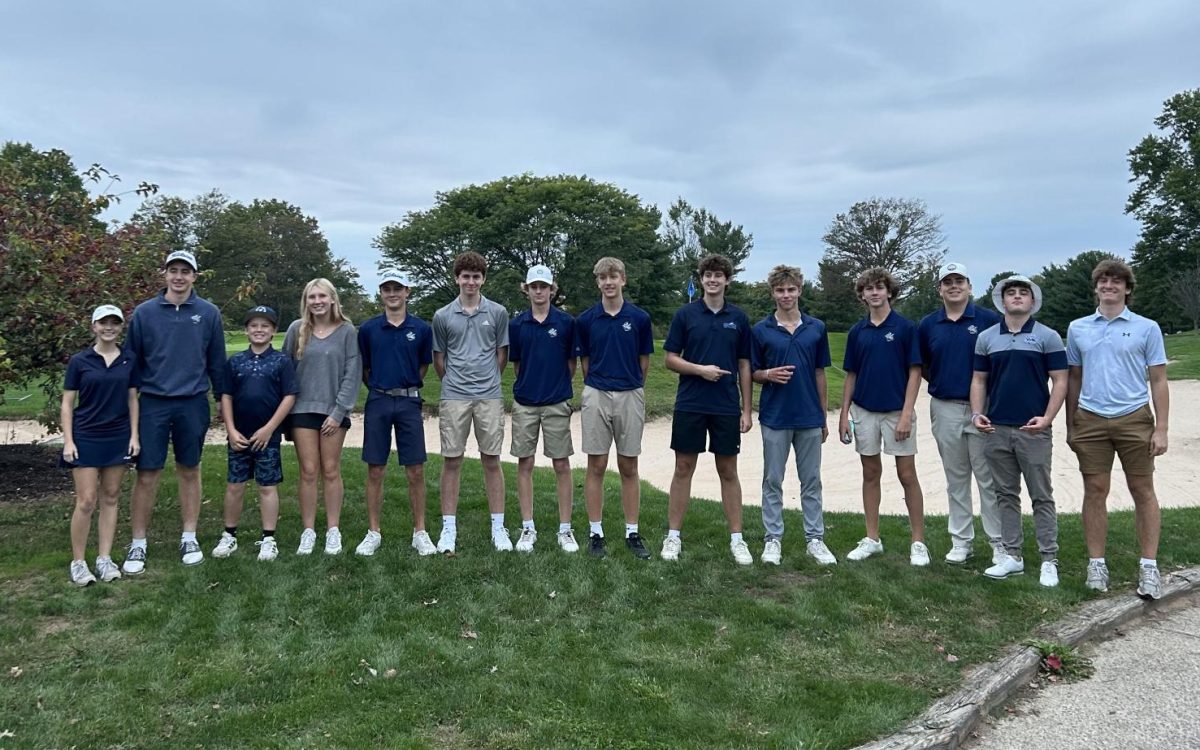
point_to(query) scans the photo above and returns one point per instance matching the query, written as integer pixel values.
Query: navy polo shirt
(257, 384)
(544, 351)
(881, 355)
(393, 355)
(178, 349)
(1018, 366)
(704, 337)
(795, 405)
(612, 344)
(102, 404)
(948, 349)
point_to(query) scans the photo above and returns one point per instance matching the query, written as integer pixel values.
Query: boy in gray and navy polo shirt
(883, 376)
(1014, 407)
(396, 349)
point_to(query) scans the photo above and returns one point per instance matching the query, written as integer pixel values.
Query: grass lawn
(502, 650)
(1184, 349)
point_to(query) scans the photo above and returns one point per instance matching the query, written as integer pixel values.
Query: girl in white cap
(100, 437)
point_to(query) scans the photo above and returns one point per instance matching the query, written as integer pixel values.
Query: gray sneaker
(1149, 582)
(80, 575)
(107, 570)
(1097, 576)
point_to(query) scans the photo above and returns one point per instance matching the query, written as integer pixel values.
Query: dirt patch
(53, 625)
(782, 584)
(30, 473)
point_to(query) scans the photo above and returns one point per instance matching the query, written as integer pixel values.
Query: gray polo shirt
(470, 343)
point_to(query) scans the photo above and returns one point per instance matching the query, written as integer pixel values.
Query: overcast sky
(1012, 121)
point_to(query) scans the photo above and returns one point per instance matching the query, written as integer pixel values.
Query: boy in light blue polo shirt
(1111, 353)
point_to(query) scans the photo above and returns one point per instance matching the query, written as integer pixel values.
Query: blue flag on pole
(691, 288)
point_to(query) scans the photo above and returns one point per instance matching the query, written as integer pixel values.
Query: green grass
(569, 651)
(1184, 349)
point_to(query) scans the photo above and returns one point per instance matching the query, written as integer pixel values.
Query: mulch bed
(30, 473)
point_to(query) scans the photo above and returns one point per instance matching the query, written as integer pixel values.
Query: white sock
(595, 528)
(1148, 561)
(672, 533)
(528, 525)
(1096, 560)
(331, 529)
(188, 536)
(564, 527)
(497, 521)
(735, 536)
(631, 528)
(138, 543)
(450, 524)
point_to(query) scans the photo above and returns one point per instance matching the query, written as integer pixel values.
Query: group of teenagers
(996, 378)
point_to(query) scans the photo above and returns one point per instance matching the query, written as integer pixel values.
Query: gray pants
(807, 444)
(1012, 454)
(962, 450)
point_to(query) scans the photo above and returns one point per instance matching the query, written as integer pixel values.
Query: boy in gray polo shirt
(470, 350)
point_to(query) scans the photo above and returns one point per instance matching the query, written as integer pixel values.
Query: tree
(689, 234)
(836, 302)
(922, 297)
(1185, 290)
(1165, 169)
(898, 234)
(1067, 290)
(58, 261)
(565, 222)
(985, 299)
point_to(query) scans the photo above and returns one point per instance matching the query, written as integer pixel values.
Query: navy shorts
(692, 432)
(182, 422)
(266, 466)
(400, 415)
(99, 453)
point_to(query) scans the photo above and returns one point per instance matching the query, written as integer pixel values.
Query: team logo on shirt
(410, 336)
(627, 326)
(486, 323)
(1126, 333)
(731, 325)
(1031, 339)
(196, 319)
(889, 336)
(971, 329)
(552, 333)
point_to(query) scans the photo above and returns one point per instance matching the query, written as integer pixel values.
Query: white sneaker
(423, 544)
(190, 552)
(308, 541)
(959, 554)
(741, 552)
(566, 541)
(227, 546)
(80, 575)
(446, 542)
(370, 544)
(818, 551)
(918, 554)
(772, 553)
(998, 552)
(333, 541)
(1009, 566)
(501, 539)
(671, 548)
(268, 549)
(107, 570)
(1049, 577)
(135, 561)
(866, 547)
(525, 542)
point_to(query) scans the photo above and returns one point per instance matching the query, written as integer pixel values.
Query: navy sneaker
(637, 546)
(596, 546)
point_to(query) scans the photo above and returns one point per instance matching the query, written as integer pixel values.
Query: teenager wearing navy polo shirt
(1111, 354)
(789, 354)
(1013, 407)
(98, 439)
(178, 347)
(541, 346)
(614, 340)
(947, 337)
(708, 344)
(396, 349)
(883, 376)
(260, 390)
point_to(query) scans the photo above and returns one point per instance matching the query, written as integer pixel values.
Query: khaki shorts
(454, 424)
(613, 415)
(1095, 439)
(877, 429)
(555, 421)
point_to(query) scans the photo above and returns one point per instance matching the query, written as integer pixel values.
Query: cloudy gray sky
(1010, 120)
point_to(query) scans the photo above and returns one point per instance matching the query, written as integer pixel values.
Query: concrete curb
(949, 722)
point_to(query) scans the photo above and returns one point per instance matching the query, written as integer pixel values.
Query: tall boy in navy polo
(541, 346)
(947, 337)
(883, 376)
(708, 344)
(789, 353)
(614, 339)
(178, 344)
(396, 349)
(1012, 405)
(260, 391)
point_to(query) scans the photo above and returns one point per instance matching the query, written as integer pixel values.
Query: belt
(405, 392)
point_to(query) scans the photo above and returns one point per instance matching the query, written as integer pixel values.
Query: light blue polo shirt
(1114, 355)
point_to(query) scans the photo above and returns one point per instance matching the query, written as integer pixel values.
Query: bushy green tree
(985, 299)
(1067, 291)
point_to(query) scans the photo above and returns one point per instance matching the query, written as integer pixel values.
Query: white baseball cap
(392, 275)
(540, 273)
(107, 311)
(953, 268)
(184, 256)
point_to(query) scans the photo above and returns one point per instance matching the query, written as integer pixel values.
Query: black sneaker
(596, 546)
(637, 546)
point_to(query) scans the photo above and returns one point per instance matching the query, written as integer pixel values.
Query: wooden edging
(949, 722)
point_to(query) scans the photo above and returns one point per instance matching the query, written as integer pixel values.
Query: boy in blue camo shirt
(260, 388)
